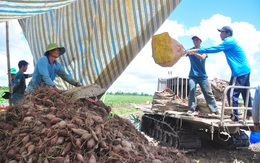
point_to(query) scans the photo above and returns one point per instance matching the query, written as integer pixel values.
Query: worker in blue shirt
(237, 61)
(19, 82)
(13, 73)
(47, 68)
(8, 95)
(198, 75)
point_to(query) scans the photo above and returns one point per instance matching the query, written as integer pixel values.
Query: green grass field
(123, 99)
(121, 104)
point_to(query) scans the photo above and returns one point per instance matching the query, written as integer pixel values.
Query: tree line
(128, 93)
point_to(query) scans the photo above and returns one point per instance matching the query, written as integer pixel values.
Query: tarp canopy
(17, 9)
(101, 37)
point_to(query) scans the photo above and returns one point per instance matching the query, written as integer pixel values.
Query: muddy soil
(212, 153)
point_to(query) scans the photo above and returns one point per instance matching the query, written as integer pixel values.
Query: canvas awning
(18, 9)
(101, 37)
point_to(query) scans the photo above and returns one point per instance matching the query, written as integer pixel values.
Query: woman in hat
(47, 68)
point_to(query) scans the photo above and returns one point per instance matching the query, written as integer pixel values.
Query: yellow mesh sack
(166, 51)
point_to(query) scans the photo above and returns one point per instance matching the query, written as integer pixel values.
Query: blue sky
(190, 12)
(191, 17)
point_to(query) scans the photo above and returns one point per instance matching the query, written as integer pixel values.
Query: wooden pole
(8, 62)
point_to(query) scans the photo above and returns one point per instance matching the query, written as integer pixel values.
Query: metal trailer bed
(171, 123)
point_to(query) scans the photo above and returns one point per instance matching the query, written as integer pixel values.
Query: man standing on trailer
(199, 76)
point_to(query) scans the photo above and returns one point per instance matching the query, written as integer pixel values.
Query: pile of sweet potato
(48, 127)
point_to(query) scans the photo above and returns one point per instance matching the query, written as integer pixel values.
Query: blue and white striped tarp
(101, 37)
(17, 9)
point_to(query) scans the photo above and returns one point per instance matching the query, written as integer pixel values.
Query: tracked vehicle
(167, 121)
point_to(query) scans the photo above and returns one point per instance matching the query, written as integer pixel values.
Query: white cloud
(216, 65)
(18, 50)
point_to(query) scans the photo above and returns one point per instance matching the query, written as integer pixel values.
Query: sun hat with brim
(53, 46)
(13, 71)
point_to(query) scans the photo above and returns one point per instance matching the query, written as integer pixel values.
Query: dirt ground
(211, 153)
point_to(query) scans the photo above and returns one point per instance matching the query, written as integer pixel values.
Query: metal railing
(245, 108)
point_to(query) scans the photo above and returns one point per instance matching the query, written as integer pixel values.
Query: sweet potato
(59, 160)
(92, 159)
(78, 121)
(60, 140)
(28, 144)
(50, 116)
(97, 119)
(156, 161)
(66, 149)
(15, 131)
(71, 125)
(26, 139)
(103, 144)
(62, 124)
(86, 136)
(138, 158)
(80, 157)
(94, 135)
(79, 131)
(63, 133)
(54, 140)
(30, 160)
(78, 143)
(46, 160)
(97, 129)
(55, 120)
(125, 143)
(91, 143)
(28, 119)
(89, 121)
(30, 149)
(11, 153)
(36, 139)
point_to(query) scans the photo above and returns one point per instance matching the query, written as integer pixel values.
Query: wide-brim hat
(53, 46)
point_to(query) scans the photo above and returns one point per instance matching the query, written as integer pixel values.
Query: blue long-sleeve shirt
(44, 74)
(197, 68)
(256, 106)
(235, 55)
